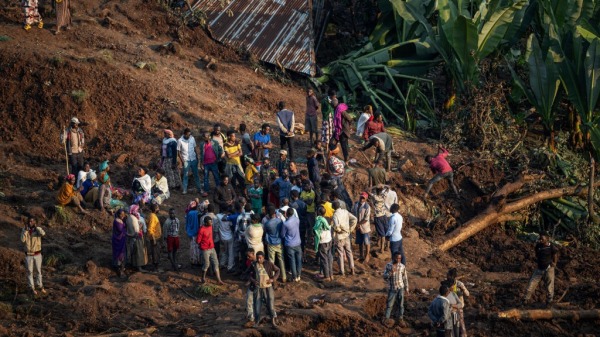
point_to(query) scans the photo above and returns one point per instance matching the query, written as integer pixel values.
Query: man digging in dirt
(384, 146)
(377, 174)
(31, 236)
(546, 255)
(442, 170)
(397, 280)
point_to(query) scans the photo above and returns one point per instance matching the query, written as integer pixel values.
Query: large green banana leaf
(543, 80)
(495, 28)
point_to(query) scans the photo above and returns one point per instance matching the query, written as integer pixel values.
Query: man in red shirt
(207, 249)
(441, 168)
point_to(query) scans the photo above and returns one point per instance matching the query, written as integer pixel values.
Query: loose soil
(90, 72)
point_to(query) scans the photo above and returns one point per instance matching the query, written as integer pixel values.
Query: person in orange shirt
(153, 236)
(68, 195)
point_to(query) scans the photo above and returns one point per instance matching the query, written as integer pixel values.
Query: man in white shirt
(187, 152)
(343, 223)
(394, 232)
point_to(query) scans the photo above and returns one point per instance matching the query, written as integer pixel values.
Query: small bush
(152, 67)
(54, 260)
(107, 55)
(79, 96)
(4, 38)
(208, 289)
(57, 60)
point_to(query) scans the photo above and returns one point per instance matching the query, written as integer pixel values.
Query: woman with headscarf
(90, 188)
(168, 159)
(191, 228)
(105, 191)
(364, 118)
(119, 241)
(141, 187)
(136, 248)
(63, 15)
(68, 195)
(341, 125)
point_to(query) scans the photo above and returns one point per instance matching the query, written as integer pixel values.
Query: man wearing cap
(74, 140)
(362, 212)
(384, 146)
(284, 163)
(286, 121)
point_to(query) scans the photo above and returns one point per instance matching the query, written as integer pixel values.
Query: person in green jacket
(324, 244)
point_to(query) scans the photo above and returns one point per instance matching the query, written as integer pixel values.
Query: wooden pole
(547, 314)
(66, 152)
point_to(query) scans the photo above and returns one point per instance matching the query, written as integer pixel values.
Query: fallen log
(130, 333)
(547, 314)
(499, 210)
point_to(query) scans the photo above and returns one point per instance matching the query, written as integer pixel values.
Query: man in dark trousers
(384, 145)
(286, 121)
(263, 274)
(442, 170)
(546, 255)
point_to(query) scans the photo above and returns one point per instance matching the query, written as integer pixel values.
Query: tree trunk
(592, 218)
(547, 314)
(500, 211)
(140, 332)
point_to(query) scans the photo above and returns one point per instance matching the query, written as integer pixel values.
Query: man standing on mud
(264, 274)
(440, 313)
(74, 140)
(188, 154)
(312, 108)
(397, 280)
(31, 236)
(546, 255)
(286, 121)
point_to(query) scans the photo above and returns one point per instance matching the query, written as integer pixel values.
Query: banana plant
(578, 59)
(544, 83)
(463, 40)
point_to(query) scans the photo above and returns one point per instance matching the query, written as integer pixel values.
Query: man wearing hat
(74, 139)
(362, 212)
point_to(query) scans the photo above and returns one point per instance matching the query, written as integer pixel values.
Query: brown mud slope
(90, 72)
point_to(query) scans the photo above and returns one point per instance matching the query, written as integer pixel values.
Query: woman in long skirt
(119, 241)
(63, 15)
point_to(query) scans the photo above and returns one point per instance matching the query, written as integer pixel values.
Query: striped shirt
(395, 275)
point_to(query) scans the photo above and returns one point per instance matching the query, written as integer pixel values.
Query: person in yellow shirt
(153, 236)
(251, 171)
(233, 165)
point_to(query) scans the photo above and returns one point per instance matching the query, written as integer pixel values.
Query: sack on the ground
(336, 166)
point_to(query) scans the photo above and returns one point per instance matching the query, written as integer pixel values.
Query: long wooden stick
(139, 332)
(66, 152)
(546, 314)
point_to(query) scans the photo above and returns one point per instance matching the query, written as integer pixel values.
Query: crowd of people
(265, 214)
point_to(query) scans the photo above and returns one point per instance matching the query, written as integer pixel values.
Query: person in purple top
(119, 240)
(290, 233)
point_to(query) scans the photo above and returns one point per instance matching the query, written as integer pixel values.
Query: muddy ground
(125, 108)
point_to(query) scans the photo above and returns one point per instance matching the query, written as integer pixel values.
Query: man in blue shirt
(273, 229)
(290, 233)
(262, 142)
(284, 185)
(394, 232)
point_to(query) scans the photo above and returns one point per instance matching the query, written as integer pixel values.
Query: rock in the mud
(188, 332)
(121, 158)
(91, 268)
(406, 165)
(36, 212)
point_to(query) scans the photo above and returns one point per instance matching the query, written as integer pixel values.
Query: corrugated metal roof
(279, 32)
